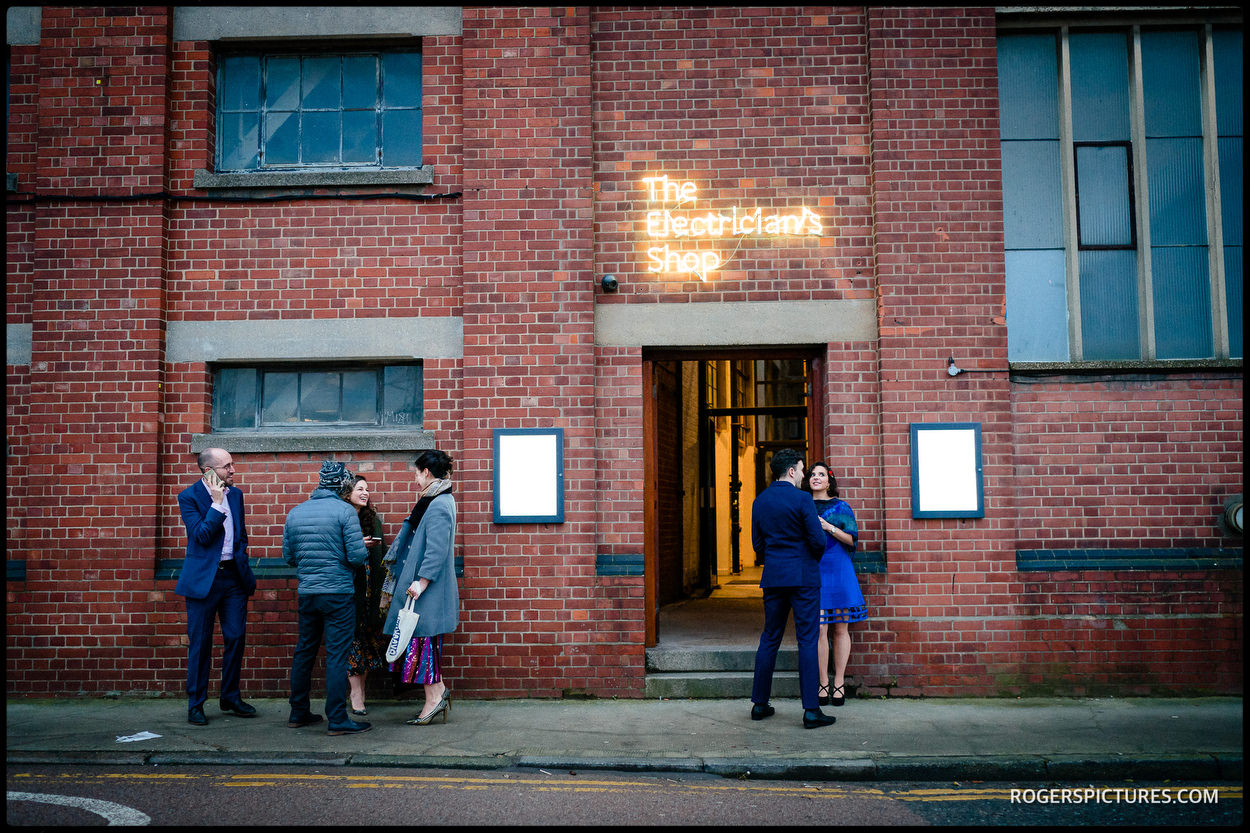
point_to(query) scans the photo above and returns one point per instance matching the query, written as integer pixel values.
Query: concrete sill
(208, 180)
(242, 442)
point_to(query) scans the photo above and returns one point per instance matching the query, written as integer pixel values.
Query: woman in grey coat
(420, 565)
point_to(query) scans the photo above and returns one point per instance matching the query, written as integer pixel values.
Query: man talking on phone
(216, 581)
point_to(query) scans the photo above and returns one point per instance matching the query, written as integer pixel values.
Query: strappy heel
(823, 691)
(443, 707)
(839, 697)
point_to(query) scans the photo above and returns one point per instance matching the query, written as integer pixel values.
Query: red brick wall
(529, 356)
(777, 121)
(940, 279)
(885, 119)
(19, 280)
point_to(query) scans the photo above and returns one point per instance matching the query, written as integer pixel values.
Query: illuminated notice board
(946, 478)
(529, 475)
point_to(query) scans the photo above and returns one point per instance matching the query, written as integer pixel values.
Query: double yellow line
(551, 783)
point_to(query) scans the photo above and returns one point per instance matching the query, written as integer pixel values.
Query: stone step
(707, 685)
(667, 660)
(715, 672)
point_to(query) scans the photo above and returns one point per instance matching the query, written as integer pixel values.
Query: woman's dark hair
(833, 481)
(367, 513)
(438, 463)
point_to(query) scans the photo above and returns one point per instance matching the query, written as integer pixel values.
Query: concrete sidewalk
(893, 739)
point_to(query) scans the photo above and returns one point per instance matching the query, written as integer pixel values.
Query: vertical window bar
(1068, 174)
(1211, 176)
(1137, 120)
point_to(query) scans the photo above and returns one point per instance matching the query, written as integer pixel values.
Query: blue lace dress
(840, 596)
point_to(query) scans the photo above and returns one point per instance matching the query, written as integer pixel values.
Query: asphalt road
(178, 795)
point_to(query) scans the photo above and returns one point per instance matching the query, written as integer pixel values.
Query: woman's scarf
(432, 491)
(400, 545)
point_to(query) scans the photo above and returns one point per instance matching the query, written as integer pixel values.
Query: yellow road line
(554, 784)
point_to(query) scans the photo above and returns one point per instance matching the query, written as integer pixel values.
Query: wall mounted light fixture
(953, 369)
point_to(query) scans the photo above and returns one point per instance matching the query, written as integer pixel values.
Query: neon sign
(679, 225)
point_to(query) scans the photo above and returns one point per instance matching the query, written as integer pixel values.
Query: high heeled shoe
(839, 695)
(443, 707)
(823, 691)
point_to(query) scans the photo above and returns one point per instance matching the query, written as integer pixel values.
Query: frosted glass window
(1037, 306)
(1226, 51)
(1100, 100)
(1032, 201)
(1109, 319)
(1178, 213)
(1028, 87)
(1234, 297)
(1231, 189)
(1136, 165)
(1182, 301)
(1172, 92)
(1104, 205)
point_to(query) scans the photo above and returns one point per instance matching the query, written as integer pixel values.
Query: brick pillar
(529, 356)
(939, 250)
(97, 351)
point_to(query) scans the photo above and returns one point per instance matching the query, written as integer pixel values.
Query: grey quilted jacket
(322, 539)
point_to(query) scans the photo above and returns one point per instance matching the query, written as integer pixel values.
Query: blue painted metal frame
(916, 512)
(558, 516)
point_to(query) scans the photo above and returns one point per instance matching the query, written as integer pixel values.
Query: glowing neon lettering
(675, 221)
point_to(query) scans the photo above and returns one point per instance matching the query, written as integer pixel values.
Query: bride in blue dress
(841, 601)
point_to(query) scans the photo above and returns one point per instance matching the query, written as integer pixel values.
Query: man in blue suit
(787, 536)
(216, 581)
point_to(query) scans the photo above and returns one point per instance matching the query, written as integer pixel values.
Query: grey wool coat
(428, 553)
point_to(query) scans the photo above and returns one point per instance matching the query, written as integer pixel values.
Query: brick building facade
(146, 266)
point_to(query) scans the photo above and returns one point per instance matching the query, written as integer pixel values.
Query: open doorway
(714, 420)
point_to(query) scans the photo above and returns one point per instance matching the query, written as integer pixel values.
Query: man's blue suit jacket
(786, 533)
(206, 530)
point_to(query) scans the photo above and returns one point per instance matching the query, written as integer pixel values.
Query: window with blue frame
(283, 111)
(283, 398)
(1122, 192)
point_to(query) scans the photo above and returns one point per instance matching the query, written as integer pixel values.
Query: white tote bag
(405, 624)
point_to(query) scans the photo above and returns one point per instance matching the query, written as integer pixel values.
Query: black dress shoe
(238, 707)
(351, 727)
(307, 720)
(195, 716)
(813, 718)
(762, 710)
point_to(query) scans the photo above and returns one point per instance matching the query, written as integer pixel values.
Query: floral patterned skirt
(365, 655)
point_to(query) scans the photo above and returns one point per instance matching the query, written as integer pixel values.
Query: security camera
(609, 283)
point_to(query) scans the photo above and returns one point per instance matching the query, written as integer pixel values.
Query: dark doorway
(714, 420)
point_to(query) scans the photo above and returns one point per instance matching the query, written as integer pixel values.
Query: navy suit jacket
(786, 533)
(206, 531)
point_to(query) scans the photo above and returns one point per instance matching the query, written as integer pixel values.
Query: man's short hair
(783, 461)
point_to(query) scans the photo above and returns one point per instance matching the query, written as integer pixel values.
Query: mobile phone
(213, 479)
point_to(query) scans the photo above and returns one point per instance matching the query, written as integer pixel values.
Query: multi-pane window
(278, 398)
(284, 111)
(1121, 151)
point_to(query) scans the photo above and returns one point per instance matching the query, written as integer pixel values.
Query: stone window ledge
(245, 182)
(242, 442)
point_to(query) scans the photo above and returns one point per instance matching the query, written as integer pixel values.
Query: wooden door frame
(814, 354)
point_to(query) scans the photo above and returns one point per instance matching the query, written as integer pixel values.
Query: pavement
(888, 739)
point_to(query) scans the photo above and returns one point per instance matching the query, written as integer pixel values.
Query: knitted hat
(333, 475)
